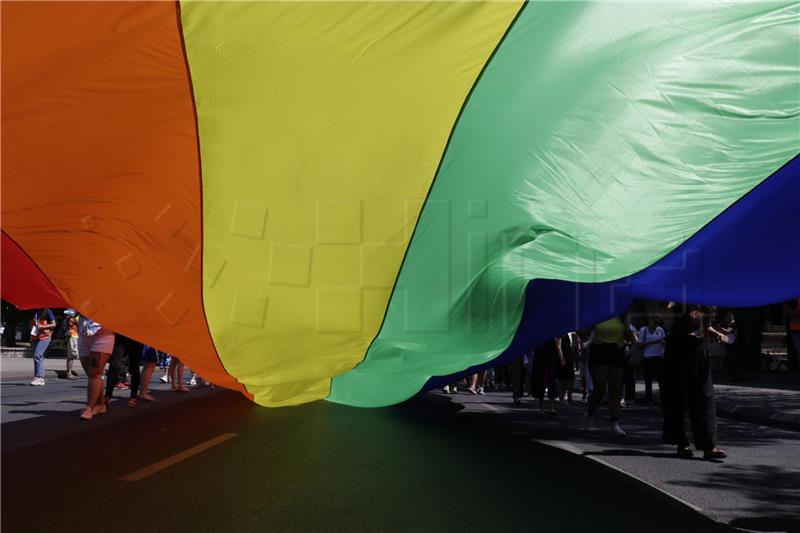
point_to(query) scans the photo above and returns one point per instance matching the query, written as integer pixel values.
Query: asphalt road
(427, 465)
(757, 488)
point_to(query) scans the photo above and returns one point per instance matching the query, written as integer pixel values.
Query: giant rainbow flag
(354, 200)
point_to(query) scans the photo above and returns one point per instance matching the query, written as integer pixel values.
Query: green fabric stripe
(599, 139)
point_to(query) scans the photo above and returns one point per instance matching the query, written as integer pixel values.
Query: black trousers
(544, 371)
(652, 368)
(686, 383)
(517, 372)
(124, 354)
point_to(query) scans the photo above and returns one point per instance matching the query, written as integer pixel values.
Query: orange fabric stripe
(100, 170)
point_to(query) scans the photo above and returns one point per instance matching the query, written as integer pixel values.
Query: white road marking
(491, 407)
(177, 458)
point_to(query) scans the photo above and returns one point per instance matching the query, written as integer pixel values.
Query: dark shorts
(606, 355)
(150, 355)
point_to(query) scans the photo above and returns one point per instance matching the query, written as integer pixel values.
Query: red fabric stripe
(21, 281)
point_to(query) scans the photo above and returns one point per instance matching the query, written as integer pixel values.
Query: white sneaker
(37, 382)
(588, 422)
(616, 430)
(622, 403)
(446, 389)
(480, 391)
(193, 382)
(164, 379)
(472, 391)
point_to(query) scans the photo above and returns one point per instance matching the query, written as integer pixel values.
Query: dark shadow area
(416, 467)
(775, 492)
(27, 404)
(790, 524)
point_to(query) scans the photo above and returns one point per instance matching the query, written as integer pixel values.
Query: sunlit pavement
(211, 461)
(756, 488)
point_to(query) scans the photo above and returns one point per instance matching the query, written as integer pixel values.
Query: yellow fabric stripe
(321, 127)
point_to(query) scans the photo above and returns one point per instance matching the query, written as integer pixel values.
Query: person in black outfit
(566, 371)
(547, 359)
(687, 381)
(517, 370)
(125, 351)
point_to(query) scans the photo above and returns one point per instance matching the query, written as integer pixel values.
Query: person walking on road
(547, 359)
(687, 381)
(606, 364)
(150, 357)
(95, 344)
(44, 322)
(566, 372)
(176, 372)
(129, 351)
(71, 334)
(652, 339)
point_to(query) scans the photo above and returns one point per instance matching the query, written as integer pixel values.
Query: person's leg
(38, 357)
(657, 371)
(112, 376)
(147, 376)
(37, 360)
(648, 367)
(516, 380)
(615, 377)
(177, 371)
(702, 411)
(473, 382)
(173, 371)
(599, 375)
(84, 364)
(163, 364)
(673, 403)
(96, 362)
(568, 386)
(584, 370)
(630, 383)
(537, 376)
(123, 367)
(134, 361)
(552, 379)
(73, 346)
(70, 373)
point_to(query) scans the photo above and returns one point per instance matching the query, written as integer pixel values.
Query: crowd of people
(111, 361)
(671, 349)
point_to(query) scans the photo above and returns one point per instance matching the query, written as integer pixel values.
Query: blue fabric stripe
(749, 255)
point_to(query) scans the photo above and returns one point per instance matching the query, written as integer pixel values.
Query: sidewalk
(754, 489)
(773, 407)
(17, 368)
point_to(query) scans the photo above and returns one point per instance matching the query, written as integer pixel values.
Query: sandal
(147, 397)
(87, 413)
(101, 408)
(132, 402)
